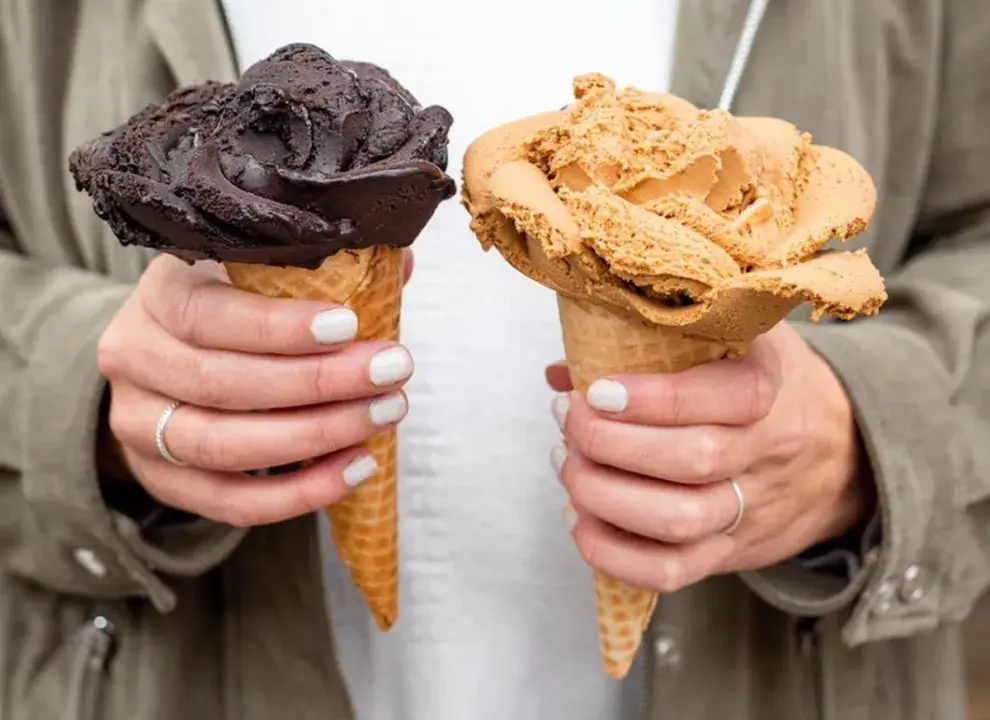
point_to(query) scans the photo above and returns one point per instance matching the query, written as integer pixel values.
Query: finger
(661, 511)
(559, 377)
(725, 392)
(238, 442)
(200, 308)
(245, 501)
(410, 265)
(225, 380)
(644, 563)
(694, 455)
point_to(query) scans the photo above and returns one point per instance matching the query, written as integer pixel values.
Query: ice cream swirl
(700, 221)
(303, 157)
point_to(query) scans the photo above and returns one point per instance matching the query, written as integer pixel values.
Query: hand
(264, 382)
(648, 469)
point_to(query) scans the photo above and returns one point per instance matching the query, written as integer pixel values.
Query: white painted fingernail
(608, 396)
(558, 456)
(561, 404)
(335, 326)
(389, 409)
(570, 517)
(391, 366)
(360, 470)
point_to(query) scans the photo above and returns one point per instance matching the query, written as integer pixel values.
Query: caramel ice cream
(673, 236)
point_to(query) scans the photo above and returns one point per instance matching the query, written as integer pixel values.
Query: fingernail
(570, 517)
(335, 326)
(558, 456)
(391, 366)
(608, 396)
(389, 409)
(561, 404)
(360, 470)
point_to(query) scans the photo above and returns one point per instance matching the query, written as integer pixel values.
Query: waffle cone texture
(365, 523)
(598, 343)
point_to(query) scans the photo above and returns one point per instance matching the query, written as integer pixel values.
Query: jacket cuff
(823, 580)
(74, 543)
(928, 566)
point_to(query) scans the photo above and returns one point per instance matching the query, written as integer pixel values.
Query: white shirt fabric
(497, 617)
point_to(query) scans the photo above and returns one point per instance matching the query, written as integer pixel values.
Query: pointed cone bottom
(365, 524)
(599, 343)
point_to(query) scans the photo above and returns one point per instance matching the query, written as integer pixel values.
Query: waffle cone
(599, 343)
(365, 524)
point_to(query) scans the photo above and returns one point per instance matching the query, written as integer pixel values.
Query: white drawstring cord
(754, 16)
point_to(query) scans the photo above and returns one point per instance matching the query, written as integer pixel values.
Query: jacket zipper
(97, 645)
(809, 643)
(646, 679)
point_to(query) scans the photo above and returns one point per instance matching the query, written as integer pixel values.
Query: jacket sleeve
(55, 528)
(918, 376)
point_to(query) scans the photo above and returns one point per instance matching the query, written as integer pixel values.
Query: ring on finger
(160, 443)
(740, 509)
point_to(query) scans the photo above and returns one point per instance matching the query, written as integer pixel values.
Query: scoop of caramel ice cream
(696, 220)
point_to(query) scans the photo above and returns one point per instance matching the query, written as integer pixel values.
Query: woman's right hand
(263, 382)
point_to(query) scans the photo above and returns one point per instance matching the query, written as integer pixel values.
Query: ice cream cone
(672, 236)
(599, 343)
(365, 524)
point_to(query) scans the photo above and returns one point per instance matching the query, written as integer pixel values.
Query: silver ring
(160, 433)
(740, 511)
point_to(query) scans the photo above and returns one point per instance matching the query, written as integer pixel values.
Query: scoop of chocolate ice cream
(305, 156)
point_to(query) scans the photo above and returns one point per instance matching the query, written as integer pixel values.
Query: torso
(493, 592)
(247, 641)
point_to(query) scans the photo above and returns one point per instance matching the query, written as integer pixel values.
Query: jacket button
(90, 562)
(666, 651)
(914, 584)
(883, 601)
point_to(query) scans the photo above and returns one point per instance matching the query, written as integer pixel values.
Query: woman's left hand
(648, 462)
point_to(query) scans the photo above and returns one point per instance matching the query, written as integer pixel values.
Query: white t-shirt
(497, 617)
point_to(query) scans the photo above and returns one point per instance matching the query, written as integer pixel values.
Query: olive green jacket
(120, 617)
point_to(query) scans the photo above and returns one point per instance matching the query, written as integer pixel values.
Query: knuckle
(761, 393)
(215, 453)
(150, 279)
(225, 505)
(687, 523)
(236, 514)
(578, 488)
(672, 400)
(208, 387)
(324, 439)
(182, 315)
(111, 354)
(155, 487)
(324, 381)
(669, 575)
(589, 547)
(306, 498)
(266, 329)
(120, 422)
(589, 436)
(707, 456)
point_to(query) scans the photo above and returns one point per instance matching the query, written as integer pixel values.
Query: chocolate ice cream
(305, 156)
